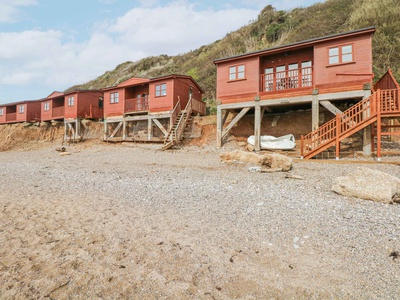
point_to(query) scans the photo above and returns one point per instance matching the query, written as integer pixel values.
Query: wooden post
(257, 124)
(378, 126)
(123, 129)
(338, 131)
(219, 126)
(149, 129)
(105, 129)
(302, 147)
(315, 111)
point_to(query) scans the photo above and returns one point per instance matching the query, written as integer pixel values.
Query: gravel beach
(127, 221)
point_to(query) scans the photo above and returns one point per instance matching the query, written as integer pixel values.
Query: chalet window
(340, 54)
(1, 112)
(114, 97)
(281, 77)
(237, 72)
(71, 101)
(46, 106)
(21, 109)
(161, 90)
(293, 76)
(306, 73)
(269, 79)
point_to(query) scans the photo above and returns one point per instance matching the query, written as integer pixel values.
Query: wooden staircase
(381, 104)
(181, 121)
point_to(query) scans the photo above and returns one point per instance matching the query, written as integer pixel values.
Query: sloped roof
(55, 94)
(133, 81)
(301, 44)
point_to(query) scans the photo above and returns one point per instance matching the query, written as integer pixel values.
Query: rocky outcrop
(369, 184)
(272, 162)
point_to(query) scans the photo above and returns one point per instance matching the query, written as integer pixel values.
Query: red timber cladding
(46, 114)
(114, 109)
(162, 103)
(387, 82)
(286, 58)
(71, 111)
(136, 91)
(31, 112)
(238, 90)
(82, 102)
(3, 109)
(182, 89)
(345, 76)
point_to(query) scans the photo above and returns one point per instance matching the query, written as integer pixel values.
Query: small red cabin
(140, 95)
(52, 107)
(83, 104)
(24, 111)
(312, 72)
(146, 109)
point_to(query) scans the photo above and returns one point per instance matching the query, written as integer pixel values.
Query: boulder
(272, 161)
(369, 184)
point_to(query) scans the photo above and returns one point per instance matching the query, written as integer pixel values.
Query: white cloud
(51, 60)
(177, 27)
(9, 9)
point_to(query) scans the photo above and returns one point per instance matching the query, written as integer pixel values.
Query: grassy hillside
(274, 28)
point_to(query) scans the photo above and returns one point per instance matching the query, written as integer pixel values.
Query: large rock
(274, 161)
(369, 184)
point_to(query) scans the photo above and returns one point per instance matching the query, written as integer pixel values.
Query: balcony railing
(137, 104)
(11, 117)
(289, 79)
(57, 112)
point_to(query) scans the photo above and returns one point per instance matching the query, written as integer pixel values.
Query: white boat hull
(269, 142)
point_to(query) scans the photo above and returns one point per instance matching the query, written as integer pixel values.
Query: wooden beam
(257, 126)
(235, 120)
(116, 129)
(219, 126)
(159, 125)
(329, 106)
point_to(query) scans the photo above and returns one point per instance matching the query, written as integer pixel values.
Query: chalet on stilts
(156, 109)
(316, 72)
(19, 112)
(78, 105)
(52, 107)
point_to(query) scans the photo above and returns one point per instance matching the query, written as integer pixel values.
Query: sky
(49, 45)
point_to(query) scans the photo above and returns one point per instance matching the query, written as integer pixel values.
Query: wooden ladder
(175, 134)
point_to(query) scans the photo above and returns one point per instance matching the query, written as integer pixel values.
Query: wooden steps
(371, 110)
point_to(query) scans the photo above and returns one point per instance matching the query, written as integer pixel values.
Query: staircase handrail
(174, 114)
(347, 121)
(183, 120)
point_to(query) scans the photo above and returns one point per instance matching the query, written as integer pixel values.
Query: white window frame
(21, 108)
(161, 90)
(1, 111)
(71, 101)
(46, 106)
(340, 54)
(237, 72)
(114, 97)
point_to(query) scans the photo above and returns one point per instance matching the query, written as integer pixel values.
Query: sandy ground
(131, 222)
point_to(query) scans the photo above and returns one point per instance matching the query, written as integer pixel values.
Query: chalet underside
(262, 107)
(149, 127)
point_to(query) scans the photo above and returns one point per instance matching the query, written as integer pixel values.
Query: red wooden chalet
(23, 111)
(309, 73)
(147, 109)
(52, 107)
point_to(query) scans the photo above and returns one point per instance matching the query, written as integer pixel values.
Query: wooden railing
(334, 130)
(360, 115)
(288, 79)
(180, 127)
(198, 106)
(57, 112)
(137, 104)
(11, 117)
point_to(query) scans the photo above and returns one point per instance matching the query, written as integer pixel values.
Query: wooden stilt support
(219, 127)
(338, 129)
(124, 129)
(257, 124)
(378, 127)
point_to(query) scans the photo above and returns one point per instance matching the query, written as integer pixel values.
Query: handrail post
(378, 127)
(302, 147)
(338, 131)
